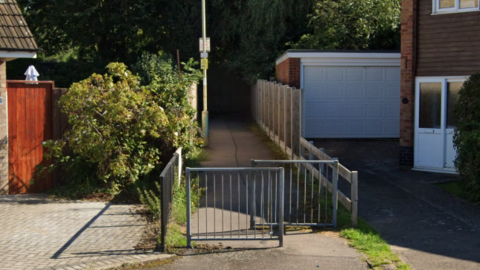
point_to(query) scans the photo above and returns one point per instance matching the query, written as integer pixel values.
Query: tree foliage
(246, 35)
(467, 136)
(250, 34)
(353, 25)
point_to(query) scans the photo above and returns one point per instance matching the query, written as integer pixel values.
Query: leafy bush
(171, 92)
(467, 137)
(114, 123)
(121, 130)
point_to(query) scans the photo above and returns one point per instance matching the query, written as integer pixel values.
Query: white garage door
(352, 102)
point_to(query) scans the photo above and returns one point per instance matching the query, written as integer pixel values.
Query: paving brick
(38, 233)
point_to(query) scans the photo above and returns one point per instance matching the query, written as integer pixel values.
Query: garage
(346, 94)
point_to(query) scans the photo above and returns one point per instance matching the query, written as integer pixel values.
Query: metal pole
(281, 190)
(189, 211)
(205, 105)
(335, 193)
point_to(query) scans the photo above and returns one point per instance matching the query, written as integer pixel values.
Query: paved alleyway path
(232, 144)
(39, 233)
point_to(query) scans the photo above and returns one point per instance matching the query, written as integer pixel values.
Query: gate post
(189, 211)
(281, 199)
(335, 192)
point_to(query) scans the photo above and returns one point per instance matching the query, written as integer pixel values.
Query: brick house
(438, 54)
(16, 41)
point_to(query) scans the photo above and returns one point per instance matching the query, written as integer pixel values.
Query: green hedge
(467, 137)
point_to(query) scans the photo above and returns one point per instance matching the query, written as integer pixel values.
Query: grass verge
(176, 234)
(454, 188)
(364, 238)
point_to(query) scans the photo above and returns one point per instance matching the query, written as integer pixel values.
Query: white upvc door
(429, 115)
(451, 97)
(434, 122)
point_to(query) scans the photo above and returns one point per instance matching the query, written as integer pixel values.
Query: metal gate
(235, 204)
(307, 202)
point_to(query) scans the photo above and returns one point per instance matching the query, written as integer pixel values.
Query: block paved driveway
(38, 233)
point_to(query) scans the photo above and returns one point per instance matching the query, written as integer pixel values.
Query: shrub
(467, 136)
(121, 129)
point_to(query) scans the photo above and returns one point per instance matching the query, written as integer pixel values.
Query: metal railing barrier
(230, 200)
(307, 202)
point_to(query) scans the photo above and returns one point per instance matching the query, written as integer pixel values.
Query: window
(452, 6)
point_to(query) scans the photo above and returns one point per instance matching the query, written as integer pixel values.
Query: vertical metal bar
(305, 194)
(319, 191)
(253, 206)
(281, 229)
(206, 204)
(163, 213)
(214, 206)
(335, 193)
(261, 205)
(276, 196)
(231, 213)
(268, 197)
(290, 194)
(312, 182)
(189, 211)
(198, 204)
(254, 209)
(326, 193)
(223, 206)
(239, 203)
(247, 202)
(270, 202)
(298, 190)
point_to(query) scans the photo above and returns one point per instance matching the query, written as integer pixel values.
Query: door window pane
(447, 3)
(468, 3)
(452, 97)
(430, 105)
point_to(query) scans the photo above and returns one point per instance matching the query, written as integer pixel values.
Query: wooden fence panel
(288, 122)
(280, 112)
(29, 125)
(296, 110)
(60, 120)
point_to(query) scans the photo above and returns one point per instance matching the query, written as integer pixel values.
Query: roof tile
(14, 32)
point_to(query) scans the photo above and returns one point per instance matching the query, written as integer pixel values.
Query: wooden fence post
(354, 198)
(296, 125)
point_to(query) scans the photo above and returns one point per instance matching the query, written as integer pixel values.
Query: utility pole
(205, 105)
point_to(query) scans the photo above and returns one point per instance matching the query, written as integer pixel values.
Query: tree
(251, 34)
(353, 25)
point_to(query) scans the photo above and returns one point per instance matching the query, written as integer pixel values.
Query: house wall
(288, 72)
(447, 43)
(407, 85)
(3, 130)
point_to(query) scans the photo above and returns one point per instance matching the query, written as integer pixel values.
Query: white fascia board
(448, 78)
(14, 55)
(344, 58)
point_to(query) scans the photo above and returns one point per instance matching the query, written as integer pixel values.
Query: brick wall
(407, 86)
(288, 72)
(3, 130)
